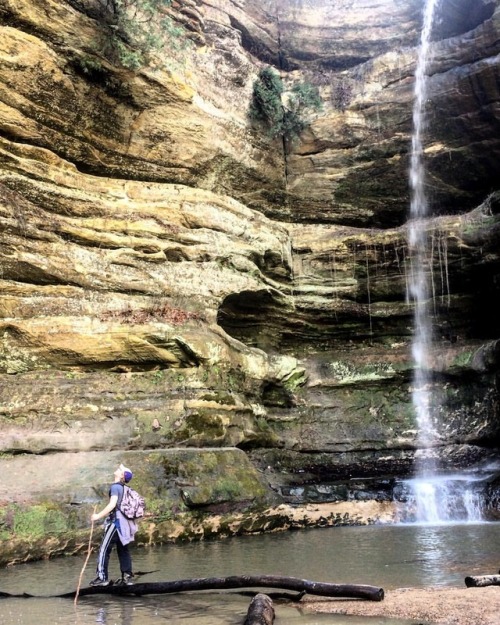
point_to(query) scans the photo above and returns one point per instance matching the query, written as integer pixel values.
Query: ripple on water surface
(387, 556)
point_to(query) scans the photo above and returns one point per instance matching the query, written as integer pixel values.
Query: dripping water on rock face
(433, 498)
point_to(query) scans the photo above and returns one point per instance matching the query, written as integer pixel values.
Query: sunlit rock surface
(171, 277)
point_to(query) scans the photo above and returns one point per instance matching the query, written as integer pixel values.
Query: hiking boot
(100, 582)
(126, 580)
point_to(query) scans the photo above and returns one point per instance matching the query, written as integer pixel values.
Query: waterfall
(436, 498)
(418, 241)
(420, 271)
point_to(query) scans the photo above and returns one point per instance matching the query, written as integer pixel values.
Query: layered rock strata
(171, 278)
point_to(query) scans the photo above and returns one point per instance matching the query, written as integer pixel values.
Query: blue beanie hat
(127, 473)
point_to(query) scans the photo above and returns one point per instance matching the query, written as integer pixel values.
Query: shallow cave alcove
(248, 317)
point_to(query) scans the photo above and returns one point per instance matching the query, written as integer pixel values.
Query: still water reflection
(387, 556)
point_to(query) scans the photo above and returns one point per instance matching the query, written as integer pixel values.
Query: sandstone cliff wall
(171, 277)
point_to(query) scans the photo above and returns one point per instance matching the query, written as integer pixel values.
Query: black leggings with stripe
(111, 538)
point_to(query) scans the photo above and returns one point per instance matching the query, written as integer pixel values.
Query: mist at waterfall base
(431, 497)
(440, 498)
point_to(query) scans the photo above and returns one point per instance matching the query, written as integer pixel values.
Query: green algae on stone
(201, 425)
(346, 373)
(220, 397)
(24, 521)
(463, 359)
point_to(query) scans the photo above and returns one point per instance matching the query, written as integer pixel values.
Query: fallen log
(478, 581)
(324, 589)
(280, 596)
(260, 611)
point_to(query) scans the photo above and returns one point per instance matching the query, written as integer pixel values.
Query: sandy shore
(446, 606)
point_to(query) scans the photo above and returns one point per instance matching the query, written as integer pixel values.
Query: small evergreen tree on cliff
(136, 29)
(266, 105)
(285, 119)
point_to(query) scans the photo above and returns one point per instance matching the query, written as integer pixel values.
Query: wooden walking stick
(89, 551)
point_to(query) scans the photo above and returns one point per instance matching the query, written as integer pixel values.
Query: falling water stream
(437, 498)
(427, 507)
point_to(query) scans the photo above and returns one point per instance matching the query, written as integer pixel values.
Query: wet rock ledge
(191, 494)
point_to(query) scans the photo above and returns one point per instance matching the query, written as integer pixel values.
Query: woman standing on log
(117, 530)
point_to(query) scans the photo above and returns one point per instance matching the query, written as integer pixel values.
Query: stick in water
(89, 551)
